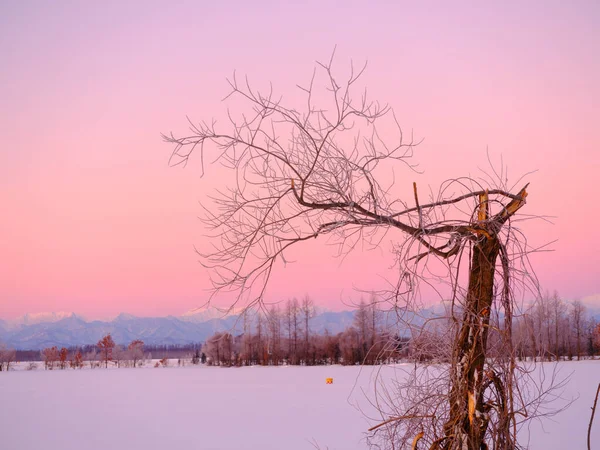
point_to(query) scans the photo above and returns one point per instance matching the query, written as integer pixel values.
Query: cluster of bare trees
(104, 352)
(54, 358)
(553, 329)
(283, 336)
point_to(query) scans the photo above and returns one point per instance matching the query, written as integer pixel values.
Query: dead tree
(326, 171)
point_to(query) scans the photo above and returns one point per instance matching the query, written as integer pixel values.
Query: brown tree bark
(468, 420)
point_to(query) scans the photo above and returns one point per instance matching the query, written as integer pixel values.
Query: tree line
(106, 352)
(283, 335)
(103, 353)
(550, 329)
(555, 329)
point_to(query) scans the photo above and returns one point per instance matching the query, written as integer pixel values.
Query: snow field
(229, 408)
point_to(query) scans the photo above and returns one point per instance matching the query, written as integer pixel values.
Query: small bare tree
(307, 309)
(7, 357)
(50, 357)
(63, 355)
(578, 319)
(76, 360)
(106, 346)
(327, 170)
(136, 352)
(119, 356)
(292, 325)
(92, 358)
(274, 327)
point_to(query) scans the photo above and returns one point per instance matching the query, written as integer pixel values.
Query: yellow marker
(329, 380)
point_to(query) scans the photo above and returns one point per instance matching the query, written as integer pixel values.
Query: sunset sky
(94, 221)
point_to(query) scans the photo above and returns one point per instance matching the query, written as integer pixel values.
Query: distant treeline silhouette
(550, 329)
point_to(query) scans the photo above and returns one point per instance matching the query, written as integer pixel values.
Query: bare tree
(361, 323)
(213, 349)
(578, 318)
(136, 352)
(375, 345)
(92, 358)
(292, 322)
(119, 355)
(50, 357)
(557, 313)
(246, 345)
(525, 336)
(350, 346)
(274, 324)
(219, 349)
(544, 326)
(327, 171)
(76, 361)
(307, 309)
(7, 356)
(260, 345)
(62, 358)
(105, 347)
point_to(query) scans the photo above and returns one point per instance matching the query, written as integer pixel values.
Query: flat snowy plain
(230, 408)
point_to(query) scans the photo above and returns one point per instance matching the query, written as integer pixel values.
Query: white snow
(197, 407)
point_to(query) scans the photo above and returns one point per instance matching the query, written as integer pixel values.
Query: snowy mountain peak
(42, 317)
(125, 316)
(205, 313)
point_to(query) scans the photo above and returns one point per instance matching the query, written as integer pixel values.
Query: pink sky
(95, 222)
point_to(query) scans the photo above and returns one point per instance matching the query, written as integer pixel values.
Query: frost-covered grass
(225, 408)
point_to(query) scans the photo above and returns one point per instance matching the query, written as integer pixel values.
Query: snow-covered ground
(226, 408)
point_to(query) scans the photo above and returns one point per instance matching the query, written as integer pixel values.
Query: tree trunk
(468, 419)
(533, 342)
(578, 342)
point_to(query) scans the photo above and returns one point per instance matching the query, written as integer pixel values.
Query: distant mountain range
(64, 329)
